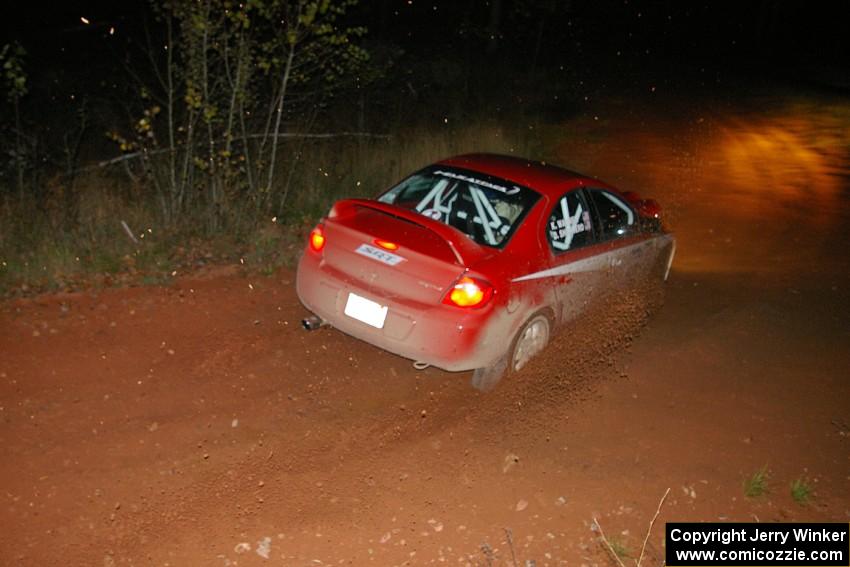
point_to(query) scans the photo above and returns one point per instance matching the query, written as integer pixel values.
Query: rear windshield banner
(757, 544)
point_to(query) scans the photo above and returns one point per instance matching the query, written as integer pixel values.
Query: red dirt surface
(199, 425)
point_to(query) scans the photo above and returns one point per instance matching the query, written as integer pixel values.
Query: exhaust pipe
(312, 323)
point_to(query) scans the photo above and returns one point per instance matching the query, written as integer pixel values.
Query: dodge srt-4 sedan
(472, 263)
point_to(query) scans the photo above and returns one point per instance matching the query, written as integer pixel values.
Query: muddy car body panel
(449, 265)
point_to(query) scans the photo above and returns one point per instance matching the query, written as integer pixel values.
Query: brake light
(386, 244)
(469, 292)
(317, 238)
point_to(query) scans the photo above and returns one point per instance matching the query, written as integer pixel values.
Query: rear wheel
(485, 379)
(528, 343)
(532, 339)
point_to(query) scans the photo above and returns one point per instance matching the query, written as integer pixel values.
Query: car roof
(545, 178)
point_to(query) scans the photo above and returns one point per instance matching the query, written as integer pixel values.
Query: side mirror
(649, 208)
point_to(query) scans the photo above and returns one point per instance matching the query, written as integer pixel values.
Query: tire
(485, 379)
(529, 342)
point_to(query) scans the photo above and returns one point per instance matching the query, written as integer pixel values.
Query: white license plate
(366, 310)
(380, 255)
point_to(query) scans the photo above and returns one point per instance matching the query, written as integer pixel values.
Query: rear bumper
(443, 336)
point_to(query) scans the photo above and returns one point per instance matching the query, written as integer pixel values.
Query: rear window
(487, 209)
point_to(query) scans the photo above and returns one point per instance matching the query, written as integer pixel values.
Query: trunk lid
(427, 261)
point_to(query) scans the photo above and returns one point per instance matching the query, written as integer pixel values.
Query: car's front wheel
(528, 343)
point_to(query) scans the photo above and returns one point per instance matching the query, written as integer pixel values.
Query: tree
(227, 81)
(15, 84)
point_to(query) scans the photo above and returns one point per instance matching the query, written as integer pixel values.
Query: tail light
(469, 292)
(317, 238)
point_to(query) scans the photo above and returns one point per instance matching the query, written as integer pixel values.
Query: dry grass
(801, 491)
(68, 240)
(757, 484)
(618, 550)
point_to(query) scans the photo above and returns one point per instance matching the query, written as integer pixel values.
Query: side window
(615, 216)
(569, 225)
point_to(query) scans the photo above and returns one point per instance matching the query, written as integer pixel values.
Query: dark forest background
(140, 138)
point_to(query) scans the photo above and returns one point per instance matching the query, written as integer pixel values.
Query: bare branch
(282, 135)
(510, 537)
(129, 232)
(608, 544)
(652, 523)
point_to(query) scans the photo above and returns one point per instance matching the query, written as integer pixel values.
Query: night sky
(84, 49)
(727, 34)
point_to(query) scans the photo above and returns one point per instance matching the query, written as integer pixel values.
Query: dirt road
(199, 425)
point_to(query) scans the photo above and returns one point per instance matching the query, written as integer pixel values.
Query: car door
(575, 270)
(625, 246)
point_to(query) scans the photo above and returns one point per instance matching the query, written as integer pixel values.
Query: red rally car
(473, 262)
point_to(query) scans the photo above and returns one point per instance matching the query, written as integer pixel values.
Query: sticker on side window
(564, 227)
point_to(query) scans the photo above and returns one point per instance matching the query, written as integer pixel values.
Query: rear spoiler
(465, 250)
